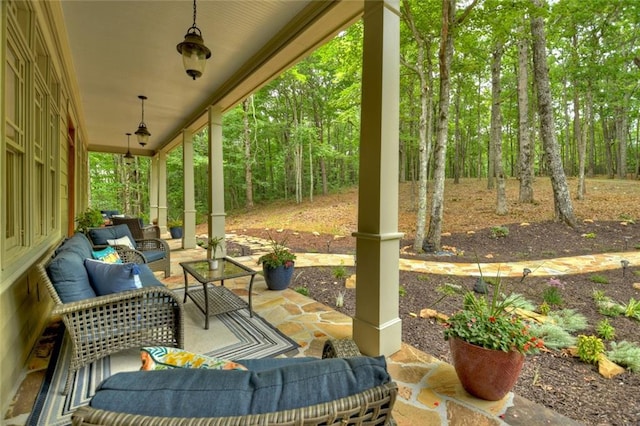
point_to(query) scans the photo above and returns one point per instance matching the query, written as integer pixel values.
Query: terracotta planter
(277, 278)
(485, 373)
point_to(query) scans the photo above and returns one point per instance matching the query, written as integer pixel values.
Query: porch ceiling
(122, 49)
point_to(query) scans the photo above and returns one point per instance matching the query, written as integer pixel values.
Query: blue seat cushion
(99, 236)
(108, 278)
(218, 393)
(69, 277)
(153, 255)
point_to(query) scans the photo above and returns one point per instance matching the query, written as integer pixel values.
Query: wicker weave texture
(108, 324)
(368, 408)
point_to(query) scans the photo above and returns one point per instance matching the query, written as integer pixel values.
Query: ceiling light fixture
(194, 52)
(142, 133)
(128, 158)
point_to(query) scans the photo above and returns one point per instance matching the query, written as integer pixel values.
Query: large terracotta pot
(277, 278)
(485, 373)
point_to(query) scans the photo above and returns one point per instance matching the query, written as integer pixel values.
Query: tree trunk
(496, 131)
(425, 123)
(457, 139)
(581, 142)
(561, 198)
(248, 173)
(432, 242)
(525, 158)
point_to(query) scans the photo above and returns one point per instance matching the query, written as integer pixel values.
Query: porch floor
(429, 391)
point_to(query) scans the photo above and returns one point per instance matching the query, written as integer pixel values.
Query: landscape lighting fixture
(194, 52)
(142, 133)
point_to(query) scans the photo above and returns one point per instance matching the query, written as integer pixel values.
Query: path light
(128, 158)
(525, 272)
(142, 133)
(194, 52)
(625, 264)
(626, 242)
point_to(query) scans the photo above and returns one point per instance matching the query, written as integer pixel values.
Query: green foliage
(278, 256)
(174, 223)
(499, 232)
(610, 308)
(544, 308)
(569, 319)
(340, 299)
(90, 218)
(599, 279)
(590, 235)
(516, 300)
(302, 290)
(605, 330)
(213, 243)
(402, 291)
(554, 336)
(488, 322)
(632, 309)
(599, 295)
(626, 354)
(551, 295)
(589, 348)
(339, 272)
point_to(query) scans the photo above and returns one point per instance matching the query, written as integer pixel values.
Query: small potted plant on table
(277, 266)
(488, 342)
(212, 244)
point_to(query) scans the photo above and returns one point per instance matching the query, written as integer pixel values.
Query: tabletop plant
(213, 243)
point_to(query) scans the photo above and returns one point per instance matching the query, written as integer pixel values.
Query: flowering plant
(212, 243)
(490, 322)
(278, 256)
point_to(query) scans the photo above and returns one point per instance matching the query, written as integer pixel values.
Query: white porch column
(377, 328)
(162, 191)
(216, 220)
(189, 201)
(153, 190)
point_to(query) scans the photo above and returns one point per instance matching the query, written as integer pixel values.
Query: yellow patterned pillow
(164, 358)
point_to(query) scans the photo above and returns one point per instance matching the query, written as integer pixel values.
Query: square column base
(373, 340)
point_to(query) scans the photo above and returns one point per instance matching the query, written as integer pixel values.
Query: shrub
(626, 354)
(499, 231)
(554, 337)
(632, 309)
(302, 290)
(599, 279)
(551, 295)
(545, 308)
(589, 348)
(590, 235)
(605, 330)
(569, 320)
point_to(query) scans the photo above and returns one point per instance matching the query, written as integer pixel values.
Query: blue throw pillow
(107, 255)
(108, 278)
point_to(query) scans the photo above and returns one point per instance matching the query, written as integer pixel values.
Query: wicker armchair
(371, 407)
(102, 325)
(139, 232)
(149, 245)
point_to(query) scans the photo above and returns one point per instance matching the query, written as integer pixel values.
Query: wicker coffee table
(214, 299)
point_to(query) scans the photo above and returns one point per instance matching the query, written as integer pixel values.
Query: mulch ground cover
(552, 378)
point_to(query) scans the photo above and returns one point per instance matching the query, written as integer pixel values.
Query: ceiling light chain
(194, 52)
(142, 133)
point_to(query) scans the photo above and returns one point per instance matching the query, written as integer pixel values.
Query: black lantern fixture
(142, 133)
(128, 158)
(194, 52)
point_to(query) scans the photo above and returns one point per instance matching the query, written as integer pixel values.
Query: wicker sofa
(155, 251)
(99, 325)
(355, 390)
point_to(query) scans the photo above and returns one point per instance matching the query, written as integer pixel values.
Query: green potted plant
(277, 265)
(90, 218)
(175, 228)
(213, 243)
(489, 341)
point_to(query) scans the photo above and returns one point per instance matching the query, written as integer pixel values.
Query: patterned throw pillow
(122, 241)
(108, 255)
(164, 358)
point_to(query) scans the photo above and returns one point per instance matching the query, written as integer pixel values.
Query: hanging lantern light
(194, 52)
(128, 158)
(142, 133)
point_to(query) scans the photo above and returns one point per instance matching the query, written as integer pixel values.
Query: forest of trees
(474, 104)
